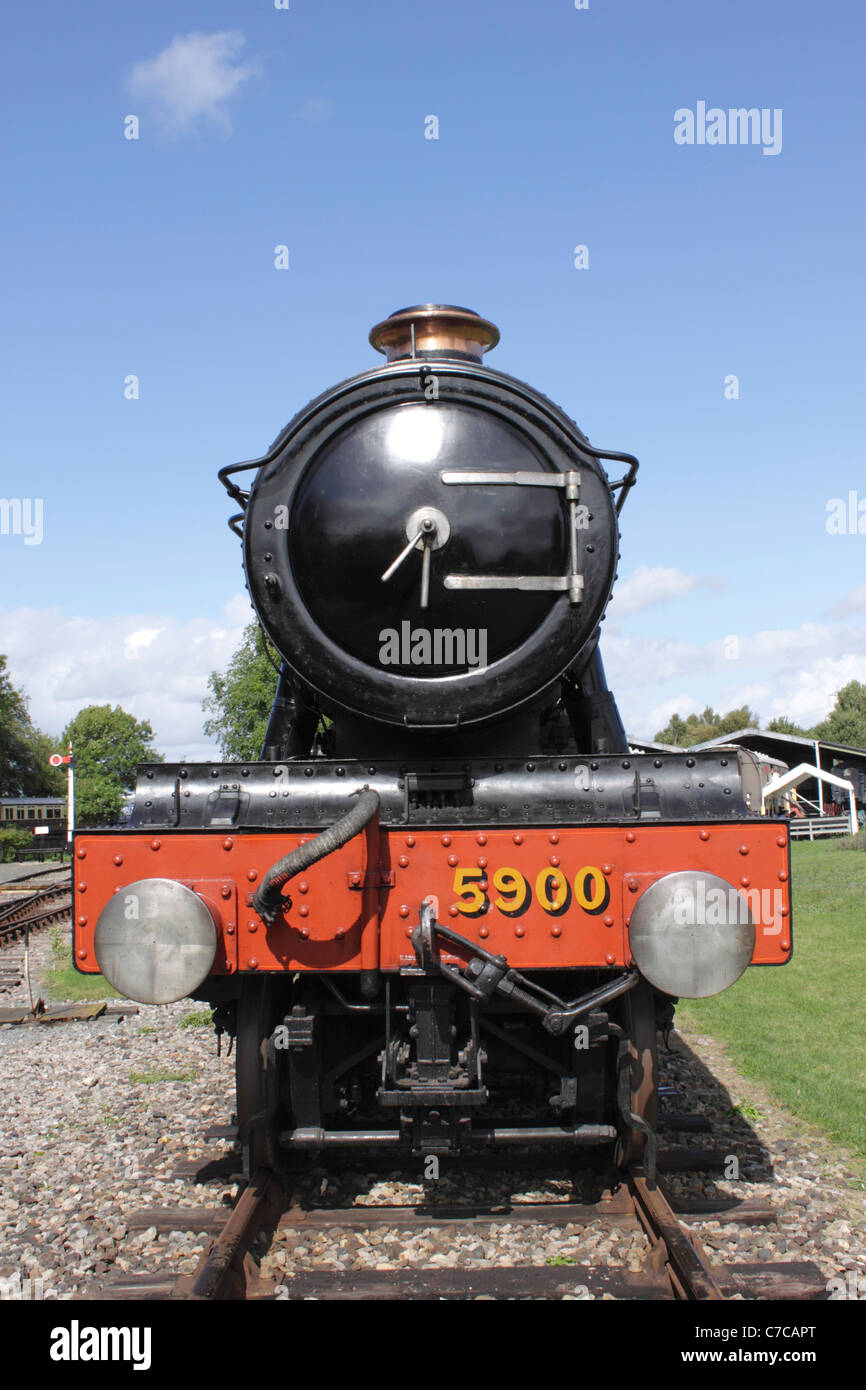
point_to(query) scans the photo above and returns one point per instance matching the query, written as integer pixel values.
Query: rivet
(483, 884)
(409, 933)
(632, 885)
(303, 910)
(340, 933)
(607, 869)
(225, 891)
(341, 772)
(780, 841)
(745, 882)
(82, 887)
(784, 945)
(610, 958)
(252, 875)
(305, 933)
(452, 860)
(481, 839)
(452, 911)
(230, 929)
(154, 844)
(783, 875)
(481, 861)
(118, 859)
(704, 835)
(228, 843)
(403, 860)
(518, 839)
(228, 965)
(356, 879)
(308, 772)
(608, 921)
(82, 955)
(743, 849)
(554, 859)
(631, 837)
(404, 909)
(628, 921)
(783, 911)
(81, 853)
(82, 921)
(253, 963)
(519, 931)
(303, 886)
(252, 926)
(410, 841)
(556, 931)
(484, 931)
(446, 840)
(554, 838)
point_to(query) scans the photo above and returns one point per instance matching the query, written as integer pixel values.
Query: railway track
(42, 907)
(675, 1265)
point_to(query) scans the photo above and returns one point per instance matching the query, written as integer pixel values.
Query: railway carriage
(447, 908)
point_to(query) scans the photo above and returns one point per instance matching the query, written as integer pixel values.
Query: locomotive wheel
(639, 1021)
(261, 1006)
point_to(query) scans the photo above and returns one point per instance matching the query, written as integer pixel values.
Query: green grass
(800, 1029)
(63, 982)
(155, 1078)
(199, 1018)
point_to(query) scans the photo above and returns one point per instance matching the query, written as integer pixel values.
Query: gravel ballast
(84, 1144)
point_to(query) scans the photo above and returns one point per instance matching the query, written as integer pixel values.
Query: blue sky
(305, 127)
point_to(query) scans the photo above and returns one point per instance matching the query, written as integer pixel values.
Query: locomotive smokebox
(434, 330)
(431, 544)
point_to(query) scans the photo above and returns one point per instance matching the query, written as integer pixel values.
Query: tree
(239, 704)
(846, 722)
(108, 744)
(784, 725)
(12, 841)
(24, 749)
(698, 728)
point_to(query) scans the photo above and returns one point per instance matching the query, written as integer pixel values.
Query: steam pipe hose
(268, 899)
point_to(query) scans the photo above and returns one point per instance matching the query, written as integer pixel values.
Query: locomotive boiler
(448, 908)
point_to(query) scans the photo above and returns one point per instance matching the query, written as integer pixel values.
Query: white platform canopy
(803, 773)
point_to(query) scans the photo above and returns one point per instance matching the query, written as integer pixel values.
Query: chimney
(434, 330)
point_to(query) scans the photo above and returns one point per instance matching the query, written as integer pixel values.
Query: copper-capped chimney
(443, 330)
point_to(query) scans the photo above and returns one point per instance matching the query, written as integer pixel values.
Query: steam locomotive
(448, 909)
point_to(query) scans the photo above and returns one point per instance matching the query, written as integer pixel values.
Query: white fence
(816, 827)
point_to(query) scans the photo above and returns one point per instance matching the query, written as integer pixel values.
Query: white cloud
(854, 603)
(193, 80)
(787, 671)
(155, 667)
(651, 584)
(139, 641)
